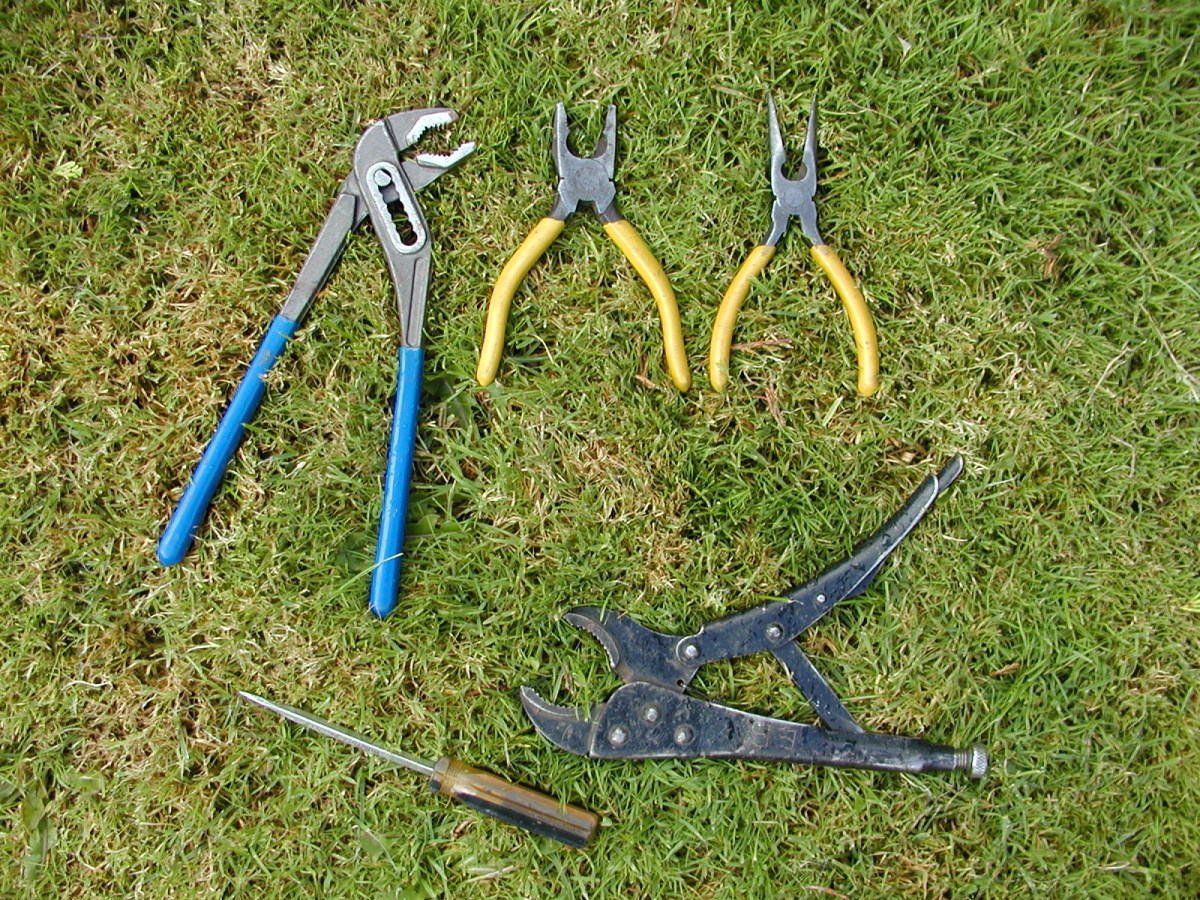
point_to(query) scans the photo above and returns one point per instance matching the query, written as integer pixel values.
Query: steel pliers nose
(382, 187)
(795, 197)
(584, 180)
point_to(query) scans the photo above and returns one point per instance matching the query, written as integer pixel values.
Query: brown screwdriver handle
(512, 803)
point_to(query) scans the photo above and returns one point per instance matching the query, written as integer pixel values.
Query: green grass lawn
(1014, 187)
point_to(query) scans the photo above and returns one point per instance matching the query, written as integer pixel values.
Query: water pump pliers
(795, 197)
(584, 180)
(382, 187)
(652, 715)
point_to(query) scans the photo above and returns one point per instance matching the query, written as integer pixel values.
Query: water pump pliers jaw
(584, 181)
(382, 188)
(652, 715)
(795, 197)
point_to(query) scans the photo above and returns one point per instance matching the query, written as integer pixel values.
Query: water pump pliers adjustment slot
(584, 180)
(795, 197)
(382, 187)
(653, 716)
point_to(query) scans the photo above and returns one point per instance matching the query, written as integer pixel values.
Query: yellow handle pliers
(584, 180)
(795, 198)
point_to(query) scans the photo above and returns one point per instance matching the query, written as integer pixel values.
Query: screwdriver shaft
(338, 733)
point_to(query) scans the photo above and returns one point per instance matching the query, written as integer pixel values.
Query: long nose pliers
(381, 187)
(795, 197)
(584, 180)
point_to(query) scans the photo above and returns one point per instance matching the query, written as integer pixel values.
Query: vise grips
(382, 187)
(651, 716)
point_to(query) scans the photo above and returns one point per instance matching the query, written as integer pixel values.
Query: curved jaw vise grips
(381, 187)
(652, 716)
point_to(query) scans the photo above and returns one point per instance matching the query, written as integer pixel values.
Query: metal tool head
(587, 179)
(636, 653)
(565, 727)
(386, 185)
(793, 197)
(383, 142)
(378, 160)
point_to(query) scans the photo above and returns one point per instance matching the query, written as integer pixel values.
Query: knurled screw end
(974, 761)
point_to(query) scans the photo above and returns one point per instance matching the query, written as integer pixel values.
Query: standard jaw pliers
(795, 197)
(653, 717)
(381, 187)
(584, 180)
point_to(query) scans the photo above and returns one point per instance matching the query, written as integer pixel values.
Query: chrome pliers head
(584, 181)
(652, 716)
(382, 187)
(794, 197)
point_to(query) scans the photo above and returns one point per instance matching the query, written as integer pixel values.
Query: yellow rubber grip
(626, 237)
(865, 340)
(531, 249)
(727, 313)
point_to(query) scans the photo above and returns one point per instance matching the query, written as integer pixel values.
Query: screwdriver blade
(338, 733)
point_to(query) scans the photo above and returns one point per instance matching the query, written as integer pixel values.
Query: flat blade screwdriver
(478, 789)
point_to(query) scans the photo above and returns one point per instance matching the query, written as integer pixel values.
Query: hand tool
(584, 180)
(480, 790)
(795, 198)
(651, 716)
(381, 187)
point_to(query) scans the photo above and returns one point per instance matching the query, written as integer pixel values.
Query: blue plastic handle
(177, 538)
(385, 577)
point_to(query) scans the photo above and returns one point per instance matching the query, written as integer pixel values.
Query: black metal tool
(480, 790)
(653, 717)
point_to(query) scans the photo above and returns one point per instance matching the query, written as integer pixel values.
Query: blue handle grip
(177, 538)
(385, 577)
